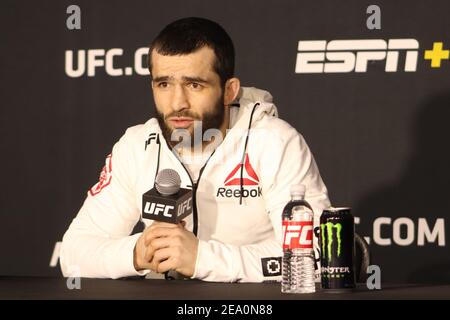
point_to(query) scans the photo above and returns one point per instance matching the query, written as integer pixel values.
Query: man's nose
(180, 100)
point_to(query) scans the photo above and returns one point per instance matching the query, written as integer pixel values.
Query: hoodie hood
(241, 109)
(250, 106)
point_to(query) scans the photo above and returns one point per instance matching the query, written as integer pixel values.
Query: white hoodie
(239, 232)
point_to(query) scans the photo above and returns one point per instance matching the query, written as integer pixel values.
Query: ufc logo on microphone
(297, 234)
(157, 208)
(186, 205)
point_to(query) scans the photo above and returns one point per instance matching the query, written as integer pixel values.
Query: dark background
(380, 139)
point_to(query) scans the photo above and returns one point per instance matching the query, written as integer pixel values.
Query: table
(35, 288)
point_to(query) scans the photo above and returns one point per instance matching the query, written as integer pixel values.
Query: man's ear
(232, 87)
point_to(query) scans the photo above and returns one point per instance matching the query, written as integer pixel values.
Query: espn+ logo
(342, 56)
(297, 234)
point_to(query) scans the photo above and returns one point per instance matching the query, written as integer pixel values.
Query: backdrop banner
(368, 88)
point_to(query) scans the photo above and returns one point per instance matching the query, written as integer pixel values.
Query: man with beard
(227, 144)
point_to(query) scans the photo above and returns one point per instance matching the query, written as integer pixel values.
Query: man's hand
(164, 246)
(143, 253)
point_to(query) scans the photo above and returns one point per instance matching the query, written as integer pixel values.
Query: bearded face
(188, 120)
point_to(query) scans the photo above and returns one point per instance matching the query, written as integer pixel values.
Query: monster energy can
(337, 245)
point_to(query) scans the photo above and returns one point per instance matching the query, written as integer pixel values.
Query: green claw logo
(330, 228)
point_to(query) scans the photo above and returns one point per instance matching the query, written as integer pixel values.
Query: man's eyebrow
(185, 78)
(195, 79)
(162, 78)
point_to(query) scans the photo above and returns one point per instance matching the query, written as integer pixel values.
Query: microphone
(167, 202)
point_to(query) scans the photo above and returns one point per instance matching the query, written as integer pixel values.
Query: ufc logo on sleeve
(297, 234)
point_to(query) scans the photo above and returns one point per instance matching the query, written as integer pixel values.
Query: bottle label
(297, 234)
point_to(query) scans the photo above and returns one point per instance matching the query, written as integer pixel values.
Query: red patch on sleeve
(105, 177)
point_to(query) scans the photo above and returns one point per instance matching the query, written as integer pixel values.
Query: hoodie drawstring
(245, 151)
(158, 142)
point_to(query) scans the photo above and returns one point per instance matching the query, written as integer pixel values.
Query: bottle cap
(298, 189)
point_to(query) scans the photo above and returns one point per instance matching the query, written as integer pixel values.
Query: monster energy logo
(329, 226)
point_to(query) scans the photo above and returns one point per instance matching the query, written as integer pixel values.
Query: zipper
(195, 185)
(194, 188)
(194, 200)
(194, 192)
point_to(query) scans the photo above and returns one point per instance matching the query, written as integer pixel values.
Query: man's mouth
(181, 122)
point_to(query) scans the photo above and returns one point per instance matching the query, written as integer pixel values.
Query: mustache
(185, 114)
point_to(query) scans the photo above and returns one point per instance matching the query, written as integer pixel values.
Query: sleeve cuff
(125, 257)
(200, 271)
(215, 262)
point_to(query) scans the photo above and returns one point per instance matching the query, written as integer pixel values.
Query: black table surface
(152, 289)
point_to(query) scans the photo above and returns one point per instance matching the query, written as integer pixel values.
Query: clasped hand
(165, 246)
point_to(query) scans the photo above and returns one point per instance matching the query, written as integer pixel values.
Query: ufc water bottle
(298, 253)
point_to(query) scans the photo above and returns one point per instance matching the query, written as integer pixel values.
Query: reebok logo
(249, 178)
(234, 177)
(228, 193)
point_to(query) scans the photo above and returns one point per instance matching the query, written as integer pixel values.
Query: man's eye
(195, 85)
(162, 85)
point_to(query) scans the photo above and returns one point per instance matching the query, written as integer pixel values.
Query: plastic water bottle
(298, 252)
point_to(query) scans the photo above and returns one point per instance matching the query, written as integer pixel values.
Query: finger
(148, 265)
(149, 238)
(149, 252)
(161, 255)
(166, 265)
(158, 224)
(161, 243)
(160, 232)
(157, 233)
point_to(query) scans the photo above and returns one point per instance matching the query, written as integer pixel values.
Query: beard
(208, 120)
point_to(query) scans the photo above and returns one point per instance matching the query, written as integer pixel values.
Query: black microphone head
(168, 182)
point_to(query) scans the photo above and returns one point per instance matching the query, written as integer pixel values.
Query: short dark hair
(187, 35)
